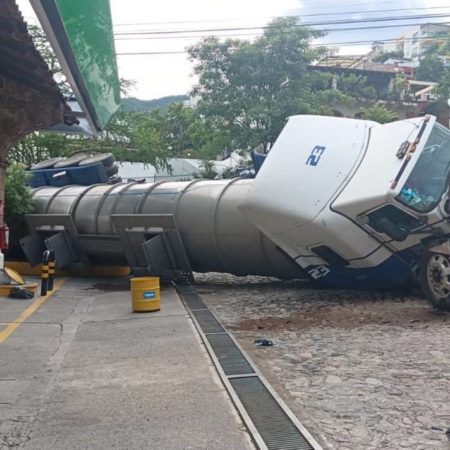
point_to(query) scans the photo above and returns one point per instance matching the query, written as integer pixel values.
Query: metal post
(44, 272)
(51, 269)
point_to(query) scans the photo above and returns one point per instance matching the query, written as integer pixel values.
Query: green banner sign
(81, 34)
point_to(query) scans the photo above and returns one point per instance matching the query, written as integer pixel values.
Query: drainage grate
(273, 424)
(229, 356)
(194, 301)
(208, 323)
(184, 289)
(265, 415)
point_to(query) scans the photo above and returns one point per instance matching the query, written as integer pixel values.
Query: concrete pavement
(84, 372)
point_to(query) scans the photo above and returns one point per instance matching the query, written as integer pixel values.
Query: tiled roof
(29, 97)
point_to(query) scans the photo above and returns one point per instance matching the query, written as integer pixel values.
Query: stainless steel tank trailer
(348, 203)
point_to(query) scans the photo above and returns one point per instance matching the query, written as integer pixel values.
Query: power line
(304, 24)
(299, 16)
(286, 32)
(327, 44)
(254, 34)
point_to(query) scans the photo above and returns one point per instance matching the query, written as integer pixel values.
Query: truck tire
(112, 170)
(46, 164)
(435, 279)
(107, 159)
(71, 161)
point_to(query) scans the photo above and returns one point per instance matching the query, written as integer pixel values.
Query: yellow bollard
(145, 294)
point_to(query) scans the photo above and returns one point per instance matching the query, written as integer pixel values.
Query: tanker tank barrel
(210, 234)
(347, 203)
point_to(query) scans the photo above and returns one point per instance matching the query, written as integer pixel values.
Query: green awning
(81, 35)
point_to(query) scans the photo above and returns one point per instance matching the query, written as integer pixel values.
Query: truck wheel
(47, 164)
(435, 279)
(112, 170)
(73, 160)
(106, 158)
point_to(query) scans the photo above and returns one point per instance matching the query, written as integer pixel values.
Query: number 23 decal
(316, 154)
(319, 272)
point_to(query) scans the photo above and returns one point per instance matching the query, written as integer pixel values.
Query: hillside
(136, 104)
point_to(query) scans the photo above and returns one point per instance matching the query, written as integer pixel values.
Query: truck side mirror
(386, 226)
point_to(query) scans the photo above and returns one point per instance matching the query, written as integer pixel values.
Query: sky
(159, 75)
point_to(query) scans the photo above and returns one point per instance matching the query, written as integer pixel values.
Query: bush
(18, 202)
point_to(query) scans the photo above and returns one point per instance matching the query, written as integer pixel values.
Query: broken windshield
(429, 178)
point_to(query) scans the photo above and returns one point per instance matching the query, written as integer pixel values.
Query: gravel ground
(361, 370)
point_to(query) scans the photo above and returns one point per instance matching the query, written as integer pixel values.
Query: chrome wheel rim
(438, 276)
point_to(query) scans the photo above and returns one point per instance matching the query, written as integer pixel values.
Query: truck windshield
(430, 176)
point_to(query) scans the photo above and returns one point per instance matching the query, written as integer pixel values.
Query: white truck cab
(359, 204)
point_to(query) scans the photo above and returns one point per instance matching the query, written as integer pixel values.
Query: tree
(129, 137)
(378, 113)
(431, 68)
(207, 170)
(355, 86)
(38, 146)
(248, 89)
(388, 55)
(45, 50)
(18, 202)
(444, 45)
(398, 88)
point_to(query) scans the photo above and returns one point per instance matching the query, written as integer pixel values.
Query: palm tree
(378, 113)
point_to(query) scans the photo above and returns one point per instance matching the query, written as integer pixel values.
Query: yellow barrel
(145, 294)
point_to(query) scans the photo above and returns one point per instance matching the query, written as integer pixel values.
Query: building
(380, 76)
(417, 40)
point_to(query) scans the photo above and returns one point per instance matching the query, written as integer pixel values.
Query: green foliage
(151, 138)
(248, 89)
(444, 45)
(431, 68)
(398, 88)
(43, 47)
(38, 146)
(129, 136)
(385, 56)
(18, 201)
(444, 88)
(207, 170)
(355, 86)
(378, 113)
(132, 137)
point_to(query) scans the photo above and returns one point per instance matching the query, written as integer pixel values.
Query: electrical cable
(304, 24)
(299, 16)
(255, 34)
(328, 44)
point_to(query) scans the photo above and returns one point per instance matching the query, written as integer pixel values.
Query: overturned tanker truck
(348, 203)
